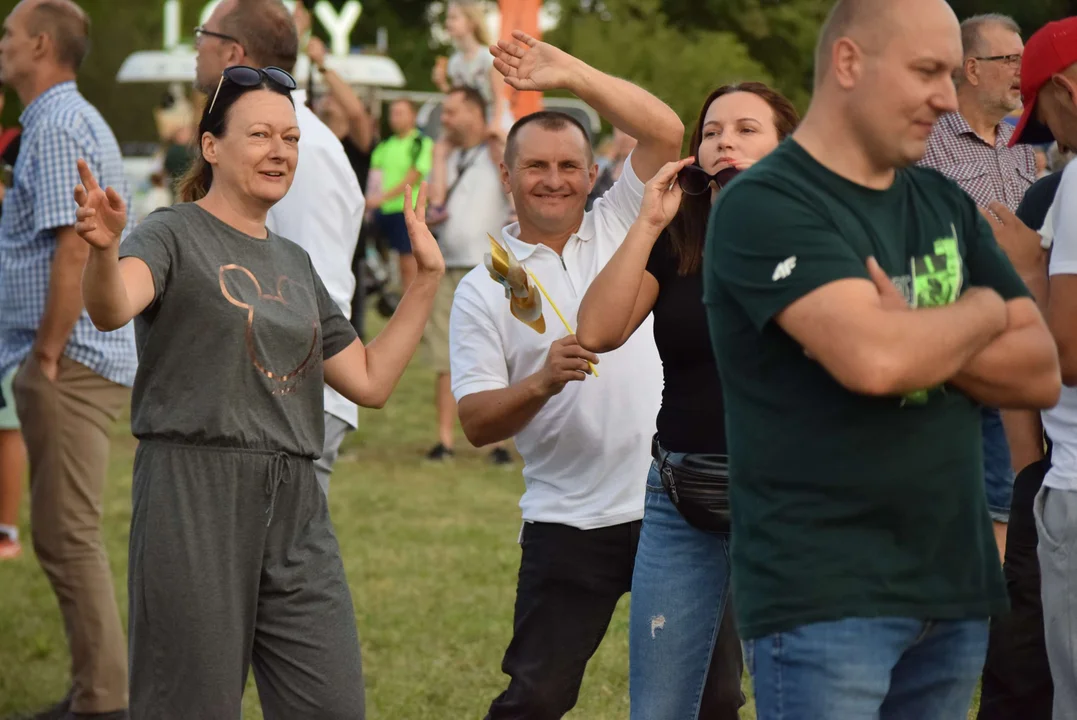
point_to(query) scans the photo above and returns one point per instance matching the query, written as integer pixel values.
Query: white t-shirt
(1060, 422)
(477, 206)
(322, 213)
(587, 452)
(473, 73)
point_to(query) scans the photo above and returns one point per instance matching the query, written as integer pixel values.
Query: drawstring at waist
(278, 474)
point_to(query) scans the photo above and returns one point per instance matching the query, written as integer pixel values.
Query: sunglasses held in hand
(694, 180)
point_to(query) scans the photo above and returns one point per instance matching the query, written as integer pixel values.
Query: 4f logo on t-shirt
(784, 269)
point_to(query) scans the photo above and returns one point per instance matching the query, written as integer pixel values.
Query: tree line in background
(679, 49)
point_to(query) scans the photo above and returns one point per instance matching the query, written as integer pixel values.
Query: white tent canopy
(156, 66)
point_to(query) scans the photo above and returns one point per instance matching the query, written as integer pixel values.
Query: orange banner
(521, 15)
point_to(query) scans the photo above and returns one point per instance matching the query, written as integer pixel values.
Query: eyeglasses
(1011, 60)
(694, 180)
(200, 31)
(248, 77)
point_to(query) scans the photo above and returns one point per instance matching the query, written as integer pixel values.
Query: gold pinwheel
(525, 303)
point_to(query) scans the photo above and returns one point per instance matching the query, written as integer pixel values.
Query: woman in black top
(681, 580)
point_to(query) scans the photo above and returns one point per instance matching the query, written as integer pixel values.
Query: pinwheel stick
(594, 370)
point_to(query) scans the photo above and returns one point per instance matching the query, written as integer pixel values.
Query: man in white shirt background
(323, 210)
(585, 440)
(466, 183)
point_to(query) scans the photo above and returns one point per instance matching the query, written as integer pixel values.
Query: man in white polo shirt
(585, 439)
(323, 210)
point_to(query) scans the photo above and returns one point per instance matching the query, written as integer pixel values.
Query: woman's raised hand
(424, 247)
(662, 195)
(102, 214)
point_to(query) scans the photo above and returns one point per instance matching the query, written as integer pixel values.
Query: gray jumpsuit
(233, 559)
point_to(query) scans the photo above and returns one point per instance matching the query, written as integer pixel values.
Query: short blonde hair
(475, 11)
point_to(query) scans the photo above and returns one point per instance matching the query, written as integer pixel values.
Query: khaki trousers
(66, 426)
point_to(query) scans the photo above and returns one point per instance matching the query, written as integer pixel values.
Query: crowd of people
(805, 392)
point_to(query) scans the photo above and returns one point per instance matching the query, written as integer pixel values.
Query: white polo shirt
(587, 452)
(322, 213)
(1060, 422)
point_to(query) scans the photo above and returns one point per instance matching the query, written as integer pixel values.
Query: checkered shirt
(59, 127)
(986, 173)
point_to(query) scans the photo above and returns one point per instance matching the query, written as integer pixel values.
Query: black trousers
(569, 585)
(1017, 677)
(570, 582)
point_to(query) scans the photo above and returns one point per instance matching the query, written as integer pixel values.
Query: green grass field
(431, 555)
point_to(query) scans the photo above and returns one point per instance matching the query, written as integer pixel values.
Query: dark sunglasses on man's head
(248, 77)
(694, 180)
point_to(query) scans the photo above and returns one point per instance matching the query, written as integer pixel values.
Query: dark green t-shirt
(846, 505)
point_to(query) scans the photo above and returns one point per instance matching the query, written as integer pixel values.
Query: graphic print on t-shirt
(292, 308)
(935, 280)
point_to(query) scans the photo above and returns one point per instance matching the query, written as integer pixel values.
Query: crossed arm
(999, 353)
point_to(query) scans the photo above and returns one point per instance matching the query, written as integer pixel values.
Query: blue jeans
(868, 668)
(680, 587)
(998, 465)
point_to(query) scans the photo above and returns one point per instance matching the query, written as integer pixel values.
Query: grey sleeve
(154, 243)
(337, 331)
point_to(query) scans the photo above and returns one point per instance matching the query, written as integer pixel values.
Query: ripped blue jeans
(678, 643)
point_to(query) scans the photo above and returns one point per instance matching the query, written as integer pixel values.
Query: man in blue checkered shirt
(73, 380)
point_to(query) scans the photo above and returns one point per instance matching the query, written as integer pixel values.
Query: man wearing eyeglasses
(323, 210)
(970, 146)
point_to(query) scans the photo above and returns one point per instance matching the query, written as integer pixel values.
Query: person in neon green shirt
(403, 159)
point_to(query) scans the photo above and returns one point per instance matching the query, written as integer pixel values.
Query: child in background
(472, 65)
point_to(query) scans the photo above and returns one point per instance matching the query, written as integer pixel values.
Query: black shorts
(395, 230)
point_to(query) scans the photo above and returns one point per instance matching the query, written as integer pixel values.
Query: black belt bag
(698, 486)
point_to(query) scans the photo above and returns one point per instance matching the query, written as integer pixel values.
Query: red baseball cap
(1052, 49)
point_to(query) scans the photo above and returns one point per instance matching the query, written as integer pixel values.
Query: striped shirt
(988, 174)
(59, 127)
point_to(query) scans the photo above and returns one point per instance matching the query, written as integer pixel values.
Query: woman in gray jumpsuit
(233, 559)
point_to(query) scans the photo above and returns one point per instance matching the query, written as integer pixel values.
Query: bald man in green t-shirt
(861, 313)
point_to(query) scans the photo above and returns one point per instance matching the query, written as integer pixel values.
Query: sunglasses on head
(245, 76)
(694, 180)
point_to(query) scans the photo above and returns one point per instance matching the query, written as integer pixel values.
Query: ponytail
(195, 184)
